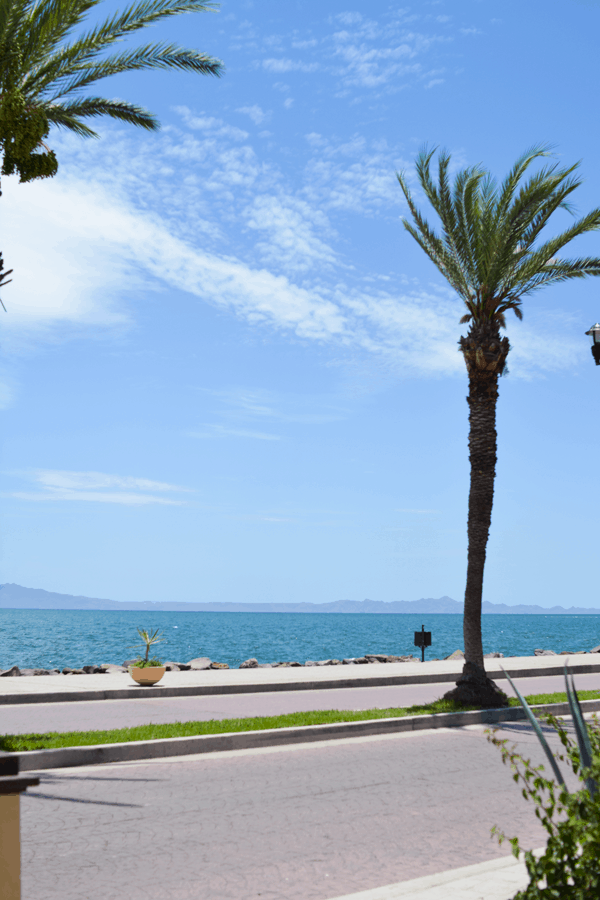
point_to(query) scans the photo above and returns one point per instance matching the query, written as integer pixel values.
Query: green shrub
(569, 868)
(146, 663)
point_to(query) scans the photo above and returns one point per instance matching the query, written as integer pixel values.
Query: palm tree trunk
(483, 395)
(485, 357)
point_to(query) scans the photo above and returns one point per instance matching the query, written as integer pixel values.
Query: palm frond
(152, 56)
(67, 115)
(66, 61)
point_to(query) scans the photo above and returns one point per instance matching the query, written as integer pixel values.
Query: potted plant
(148, 671)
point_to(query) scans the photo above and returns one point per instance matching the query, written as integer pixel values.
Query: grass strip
(55, 739)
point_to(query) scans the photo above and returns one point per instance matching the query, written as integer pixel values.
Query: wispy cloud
(220, 431)
(243, 404)
(98, 487)
(254, 112)
(288, 65)
(235, 234)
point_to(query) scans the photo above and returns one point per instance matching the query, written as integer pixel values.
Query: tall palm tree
(491, 252)
(44, 76)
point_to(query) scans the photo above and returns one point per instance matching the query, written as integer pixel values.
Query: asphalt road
(106, 714)
(307, 822)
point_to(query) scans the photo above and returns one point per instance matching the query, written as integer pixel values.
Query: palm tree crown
(44, 77)
(489, 250)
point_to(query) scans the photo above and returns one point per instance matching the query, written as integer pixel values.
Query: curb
(34, 760)
(134, 692)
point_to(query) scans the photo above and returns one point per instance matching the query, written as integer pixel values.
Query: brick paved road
(299, 823)
(123, 713)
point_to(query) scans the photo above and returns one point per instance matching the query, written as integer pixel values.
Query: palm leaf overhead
(490, 248)
(44, 73)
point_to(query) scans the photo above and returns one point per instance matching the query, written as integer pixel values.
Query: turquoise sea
(32, 638)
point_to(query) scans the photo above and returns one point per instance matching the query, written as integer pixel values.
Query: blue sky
(228, 373)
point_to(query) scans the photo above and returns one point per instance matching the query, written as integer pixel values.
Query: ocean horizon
(42, 638)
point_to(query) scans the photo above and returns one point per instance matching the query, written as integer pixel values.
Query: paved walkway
(48, 688)
(107, 714)
(310, 822)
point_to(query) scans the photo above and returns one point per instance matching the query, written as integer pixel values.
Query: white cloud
(96, 497)
(92, 487)
(288, 102)
(217, 431)
(288, 65)
(291, 228)
(239, 405)
(216, 127)
(232, 232)
(56, 478)
(255, 112)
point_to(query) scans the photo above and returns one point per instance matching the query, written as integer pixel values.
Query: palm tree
(44, 77)
(491, 252)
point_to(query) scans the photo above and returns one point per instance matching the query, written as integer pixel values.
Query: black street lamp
(594, 334)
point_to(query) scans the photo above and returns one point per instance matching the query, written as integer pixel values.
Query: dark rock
(474, 688)
(286, 665)
(493, 655)
(251, 663)
(544, 653)
(11, 673)
(566, 653)
(93, 670)
(376, 657)
(458, 654)
(349, 662)
(42, 672)
(28, 671)
(200, 663)
(579, 652)
(67, 671)
(216, 665)
(334, 662)
(78, 672)
(130, 662)
(171, 666)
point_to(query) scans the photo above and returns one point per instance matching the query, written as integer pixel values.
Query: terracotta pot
(148, 675)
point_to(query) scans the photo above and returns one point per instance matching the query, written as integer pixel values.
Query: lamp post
(594, 334)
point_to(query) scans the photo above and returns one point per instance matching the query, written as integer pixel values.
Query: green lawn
(20, 742)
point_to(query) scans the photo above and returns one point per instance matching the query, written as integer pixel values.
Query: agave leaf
(538, 731)
(583, 738)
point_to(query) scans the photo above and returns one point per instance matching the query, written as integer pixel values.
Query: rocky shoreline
(203, 663)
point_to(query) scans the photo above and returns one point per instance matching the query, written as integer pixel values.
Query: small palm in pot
(148, 670)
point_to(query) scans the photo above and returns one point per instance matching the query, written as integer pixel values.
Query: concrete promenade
(62, 688)
(311, 822)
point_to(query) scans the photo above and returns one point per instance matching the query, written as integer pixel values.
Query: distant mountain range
(13, 596)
